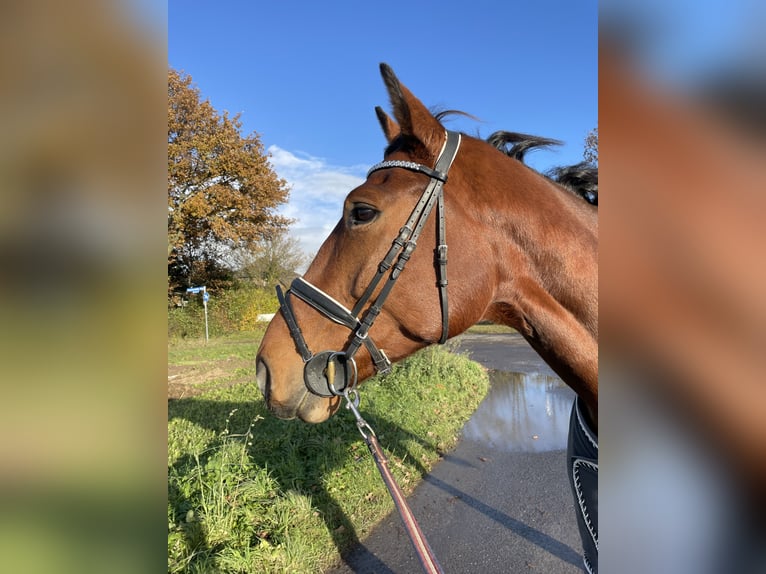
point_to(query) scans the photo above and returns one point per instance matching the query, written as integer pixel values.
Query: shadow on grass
(299, 456)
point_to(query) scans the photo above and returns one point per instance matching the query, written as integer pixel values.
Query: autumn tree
(222, 192)
(591, 147)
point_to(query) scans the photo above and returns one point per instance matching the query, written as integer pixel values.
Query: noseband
(329, 373)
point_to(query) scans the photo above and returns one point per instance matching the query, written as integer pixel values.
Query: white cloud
(317, 193)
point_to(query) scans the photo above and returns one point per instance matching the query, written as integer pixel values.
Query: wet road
(500, 501)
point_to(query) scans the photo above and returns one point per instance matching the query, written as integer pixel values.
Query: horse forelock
(409, 145)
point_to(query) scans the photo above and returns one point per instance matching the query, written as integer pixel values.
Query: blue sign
(205, 296)
(196, 289)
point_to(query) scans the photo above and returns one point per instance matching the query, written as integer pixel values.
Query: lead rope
(422, 548)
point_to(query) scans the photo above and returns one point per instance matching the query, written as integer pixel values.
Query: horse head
(370, 297)
(373, 216)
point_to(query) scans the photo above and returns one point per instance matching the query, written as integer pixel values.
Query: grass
(490, 328)
(250, 493)
(241, 345)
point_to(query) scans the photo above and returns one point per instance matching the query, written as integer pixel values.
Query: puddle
(526, 412)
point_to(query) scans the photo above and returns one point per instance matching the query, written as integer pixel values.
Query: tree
(273, 260)
(222, 192)
(591, 147)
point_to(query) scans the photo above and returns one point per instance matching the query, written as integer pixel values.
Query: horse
(523, 252)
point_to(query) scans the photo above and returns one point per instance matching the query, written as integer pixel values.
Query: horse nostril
(262, 378)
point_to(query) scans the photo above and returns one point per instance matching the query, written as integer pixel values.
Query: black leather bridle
(330, 373)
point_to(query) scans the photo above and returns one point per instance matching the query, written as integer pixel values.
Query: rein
(422, 547)
(321, 373)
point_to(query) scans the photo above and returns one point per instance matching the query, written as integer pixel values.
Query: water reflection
(526, 412)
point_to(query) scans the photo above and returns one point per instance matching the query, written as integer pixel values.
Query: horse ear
(413, 117)
(390, 127)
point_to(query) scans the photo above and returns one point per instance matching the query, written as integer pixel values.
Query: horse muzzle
(289, 399)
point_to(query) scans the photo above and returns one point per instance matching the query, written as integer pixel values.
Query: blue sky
(304, 75)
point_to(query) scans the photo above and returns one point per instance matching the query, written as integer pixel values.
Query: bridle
(321, 372)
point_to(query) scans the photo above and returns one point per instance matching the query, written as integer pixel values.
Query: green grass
(241, 345)
(490, 328)
(250, 493)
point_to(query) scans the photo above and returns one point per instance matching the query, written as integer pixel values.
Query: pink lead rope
(422, 548)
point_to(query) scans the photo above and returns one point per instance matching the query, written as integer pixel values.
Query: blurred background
(681, 279)
(82, 240)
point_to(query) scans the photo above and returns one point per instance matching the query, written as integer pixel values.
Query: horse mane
(516, 145)
(580, 179)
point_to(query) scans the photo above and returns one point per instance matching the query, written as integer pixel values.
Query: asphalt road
(485, 507)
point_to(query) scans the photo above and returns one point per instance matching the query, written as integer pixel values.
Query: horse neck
(547, 275)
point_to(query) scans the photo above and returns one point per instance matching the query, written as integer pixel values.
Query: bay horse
(523, 252)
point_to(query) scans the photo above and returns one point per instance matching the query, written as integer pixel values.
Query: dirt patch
(190, 380)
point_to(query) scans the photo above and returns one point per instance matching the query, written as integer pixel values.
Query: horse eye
(363, 214)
